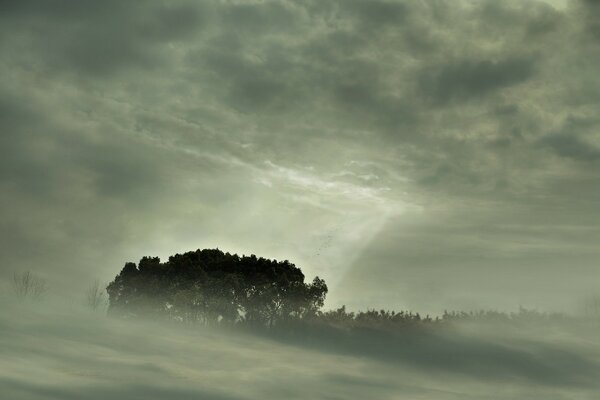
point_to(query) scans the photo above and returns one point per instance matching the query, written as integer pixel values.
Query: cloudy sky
(416, 154)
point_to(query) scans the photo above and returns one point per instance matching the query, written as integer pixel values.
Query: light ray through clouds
(322, 222)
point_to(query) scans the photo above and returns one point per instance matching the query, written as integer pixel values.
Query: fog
(55, 350)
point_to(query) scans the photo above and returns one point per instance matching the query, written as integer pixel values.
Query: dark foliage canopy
(210, 286)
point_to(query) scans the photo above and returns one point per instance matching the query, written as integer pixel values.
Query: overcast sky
(415, 154)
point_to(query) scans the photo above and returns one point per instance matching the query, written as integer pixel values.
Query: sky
(425, 154)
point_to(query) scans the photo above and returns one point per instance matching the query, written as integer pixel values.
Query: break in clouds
(415, 154)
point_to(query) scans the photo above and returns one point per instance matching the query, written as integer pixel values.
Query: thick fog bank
(66, 352)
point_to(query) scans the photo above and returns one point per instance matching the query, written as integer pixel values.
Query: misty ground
(67, 352)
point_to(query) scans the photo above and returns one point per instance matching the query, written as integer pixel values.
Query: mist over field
(429, 159)
(74, 353)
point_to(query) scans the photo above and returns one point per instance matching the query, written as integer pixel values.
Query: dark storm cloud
(99, 38)
(258, 18)
(590, 10)
(249, 86)
(378, 14)
(470, 80)
(38, 154)
(16, 115)
(571, 146)
(570, 140)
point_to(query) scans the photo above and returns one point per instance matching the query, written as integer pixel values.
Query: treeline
(211, 287)
(390, 320)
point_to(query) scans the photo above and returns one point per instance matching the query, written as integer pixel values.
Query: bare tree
(96, 296)
(27, 285)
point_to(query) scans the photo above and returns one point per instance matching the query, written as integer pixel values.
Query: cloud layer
(387, 146)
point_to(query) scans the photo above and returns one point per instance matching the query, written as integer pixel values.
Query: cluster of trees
(395, 321)
(372, 318)
(210, 286)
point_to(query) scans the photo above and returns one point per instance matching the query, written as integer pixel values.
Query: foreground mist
(58, 351)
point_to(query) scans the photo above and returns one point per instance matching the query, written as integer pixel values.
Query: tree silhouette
(212, 287)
